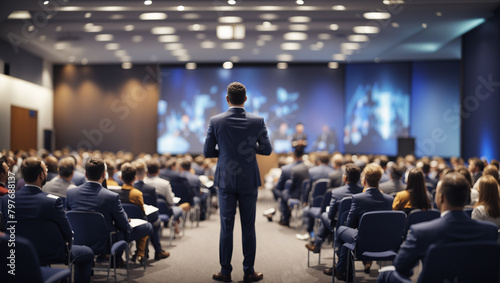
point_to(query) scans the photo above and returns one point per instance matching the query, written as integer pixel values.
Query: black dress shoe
(283, 223)
(342, 276)
(367, 265)
(222, 277)
(253, 277)
(328, 271)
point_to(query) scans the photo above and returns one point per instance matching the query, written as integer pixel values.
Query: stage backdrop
(311, 94)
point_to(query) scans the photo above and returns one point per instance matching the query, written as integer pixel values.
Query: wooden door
(23, 128)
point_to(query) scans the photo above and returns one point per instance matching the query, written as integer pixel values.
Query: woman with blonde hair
(488, 205)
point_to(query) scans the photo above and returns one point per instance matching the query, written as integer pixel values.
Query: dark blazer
(339, 193)
(455, 226)
(193, 182)
(371, 200)
(78, 178)
(241, 135)
(91, 196)
(181, 189)
(167, 173)
(32, 204)
(300, 172)
(51, 175)
(392, 186)
(286, 174)
(320, 172)
(335, 178)
(147, 191)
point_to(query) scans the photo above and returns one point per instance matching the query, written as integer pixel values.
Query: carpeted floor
(194, 257)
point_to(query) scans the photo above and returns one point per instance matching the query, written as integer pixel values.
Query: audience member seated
(33, 204)
(383, 162)
(4, 176)
(372, 199)
(396, 173)
(59, 185)
(299, 173)
(415, 196)
(430, 183)
(78, 175)
(454, 225)
(487, 207)
(476, 167)
(474, 194)
(51, 163)
(91, 196)
(336, 176)
(111, 170)
(194, 184)
(169, 172)
(351, 187)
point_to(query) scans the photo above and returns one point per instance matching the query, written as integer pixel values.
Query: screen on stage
(377, 109)
(312, 95)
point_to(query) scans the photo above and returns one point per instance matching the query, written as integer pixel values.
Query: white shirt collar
(444, 213)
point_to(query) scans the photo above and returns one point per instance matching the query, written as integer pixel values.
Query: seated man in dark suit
(169, 171)
(351, 178)
(33, 204)
(395, 185)
(371, 200)
(59, 185)
(300, 172)
(91, 196)
(336, 176)
(194, 185)
(51, 163)
(454, 225)
(149, 192)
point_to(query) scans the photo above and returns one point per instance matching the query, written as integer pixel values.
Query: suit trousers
(344, 235)
(247, 201)
(83, 257)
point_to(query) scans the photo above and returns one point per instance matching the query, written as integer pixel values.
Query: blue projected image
(377, 107)
(283, 97)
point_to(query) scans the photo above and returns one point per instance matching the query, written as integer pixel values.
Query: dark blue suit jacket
(455, 226)
(193, 182)
(286, 174)
(319, 172)
(147, 190)
(33, 204)
(92, 196)
(168, 174)
(338, 194)
(78, 178)
(300, 172)
(239, 136)
(371, 200)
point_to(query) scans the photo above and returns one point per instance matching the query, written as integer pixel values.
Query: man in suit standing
(33, 204)
(299, 138)
(454, 225)
(371, 200)
(239, 136)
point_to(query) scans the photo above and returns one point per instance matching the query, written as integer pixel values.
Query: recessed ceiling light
(180, 8)
(152, 16)
(104, 37)
(31, 28)
(163, 30)
(126, 58)
(393, 2)
(333, 65)
(295, 36)
(148, 2)
(366, 29)
(174, 46)
(234, 59)
(299, 2)
(90, 27)
(424, 25)
(395, 25)
(350, 46)
(282, 65)
(88, 15)
(46, 2)
(179, 52)
(334, 27)
(168, 38)
(260, 42)
(59, 28)
(111, 8)
(358, 38)
(284, 57)
(117, 17)
(112, 46)
(291, 46)
(227, 65)
(377, 15)
(439, 14)
(129, 28)
(266, 26)
(120, 53)
(225, 32)
(43, 37)
(233, 45)
(207, 44)
(191, 66)
(338, 8)
(190, 16)
(137, 38)
(324, 36)
(126, 65)
(298, 27)
(231, 2)
(61, 45)
(338, 57)
(266, 37)
(268, 17)
(85, 61)
(19, 15)
(197, 27)
(299, 19)
(184, 58)
(230, 20)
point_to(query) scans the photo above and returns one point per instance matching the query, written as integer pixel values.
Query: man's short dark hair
(236, 93)
(153, 166)
(128, 172)
(323, 158)
(477, 162)
(455, 189)
(298, 152)
(31, 169)
(186, 165)
(397, 172)
(94, 168)
(51, 163)
(352, 173)
(426, 167)
(66, 167)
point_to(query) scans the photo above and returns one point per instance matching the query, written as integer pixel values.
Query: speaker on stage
(406, 146)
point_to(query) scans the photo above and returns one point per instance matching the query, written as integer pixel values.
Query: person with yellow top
(415, 196)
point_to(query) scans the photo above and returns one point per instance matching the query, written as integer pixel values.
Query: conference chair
(135, 212)
(317, 211)
(90, 230)
(318, 191)
(165, 218)
(26, 264)
(306, 188)
(418, 216)
(379, 235)
(48, 240)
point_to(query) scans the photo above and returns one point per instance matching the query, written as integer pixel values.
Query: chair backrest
(318, 190)
(306, 188)
(380, 231)
(418, 216)
(163, 208)
(90, 230)
(133, 210)
(150, 199)
(343, 211)
(461, 262)
(47, 239)
(24, 261)
(181, 189)
(326, 200)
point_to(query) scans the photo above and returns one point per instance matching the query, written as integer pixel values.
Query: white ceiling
(416, 30)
